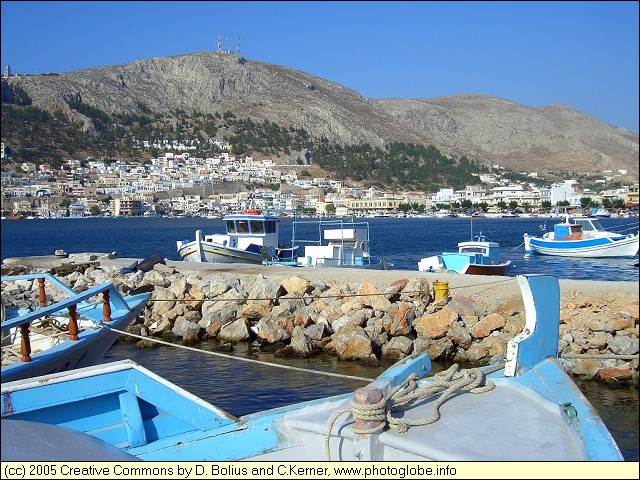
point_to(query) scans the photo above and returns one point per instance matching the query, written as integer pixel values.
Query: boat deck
(469, 429)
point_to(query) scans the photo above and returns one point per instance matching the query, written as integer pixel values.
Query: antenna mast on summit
(219, 44)
(238, 46)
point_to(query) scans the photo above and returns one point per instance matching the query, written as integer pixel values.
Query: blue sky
(581, 54)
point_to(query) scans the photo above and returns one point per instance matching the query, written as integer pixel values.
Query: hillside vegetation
(274, 111)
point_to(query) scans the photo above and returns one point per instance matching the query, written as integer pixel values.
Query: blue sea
(242, 388)
(401, 241)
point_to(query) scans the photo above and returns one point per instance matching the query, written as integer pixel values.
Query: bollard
(366, 396)
(440, 290)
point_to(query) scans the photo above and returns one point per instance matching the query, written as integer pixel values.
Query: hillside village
(177, 183)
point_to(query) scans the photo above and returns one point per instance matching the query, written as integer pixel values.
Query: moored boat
(333, 243)
(475, 257)
(70, 333)
(582, 237)
(601, 213)
(524, 409)
(247, 236)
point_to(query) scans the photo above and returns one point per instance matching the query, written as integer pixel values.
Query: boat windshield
(231, 226)
(481, 250)
(257, 226)
(590, 225)
(243, 226)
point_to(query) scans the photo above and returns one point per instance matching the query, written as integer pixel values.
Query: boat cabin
(567, 231)
(248, 231)
(338, 247)
(257, 226)
(477, 252)
(589, 225)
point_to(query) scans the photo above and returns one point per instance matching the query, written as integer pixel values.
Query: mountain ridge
(487, 129)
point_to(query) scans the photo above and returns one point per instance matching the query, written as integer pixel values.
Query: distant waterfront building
(128, 207)
(564, 191)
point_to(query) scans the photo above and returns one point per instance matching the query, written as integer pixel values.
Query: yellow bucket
(440, 290)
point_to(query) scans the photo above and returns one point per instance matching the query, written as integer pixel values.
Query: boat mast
(471, 228)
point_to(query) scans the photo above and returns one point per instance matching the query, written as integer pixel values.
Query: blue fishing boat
(475, 257)
(582, 237)
(525, 408)
(246, 237)
(70, 333)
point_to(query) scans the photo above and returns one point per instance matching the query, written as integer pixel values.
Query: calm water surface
(403, 242)
(242, 388)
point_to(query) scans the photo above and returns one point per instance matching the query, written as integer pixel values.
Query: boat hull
(216, 253)
(626, 247)
(498, 269)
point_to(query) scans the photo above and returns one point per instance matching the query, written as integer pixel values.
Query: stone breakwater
(356, 316)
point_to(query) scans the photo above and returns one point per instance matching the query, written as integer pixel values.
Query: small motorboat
(475, 257)
(525, 408)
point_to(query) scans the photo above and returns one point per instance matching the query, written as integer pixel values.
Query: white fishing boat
(329, 243)
(246, 236)
(582, 237)
(523, 409)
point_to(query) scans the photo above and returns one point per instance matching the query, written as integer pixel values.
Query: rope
(593, 356)
(250, 360)
(402, 397)
(514, 249)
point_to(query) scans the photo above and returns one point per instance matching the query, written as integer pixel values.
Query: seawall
(362, 315)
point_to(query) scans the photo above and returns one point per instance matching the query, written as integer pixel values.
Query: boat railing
(324, 225)
(76, 302)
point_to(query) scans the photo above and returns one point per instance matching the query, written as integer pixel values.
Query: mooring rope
(447, 382)
(515, 248)
(250, 360)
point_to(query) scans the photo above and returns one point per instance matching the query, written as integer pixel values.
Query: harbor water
(241, 388)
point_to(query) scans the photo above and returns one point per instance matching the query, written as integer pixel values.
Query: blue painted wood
(418, 364)
(47, 276)
(551, 381)
(50, 310)
(132, 419)
(91, 343)
(539, 339)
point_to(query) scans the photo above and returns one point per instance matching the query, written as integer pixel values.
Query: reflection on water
(241, 388)
(618, 408)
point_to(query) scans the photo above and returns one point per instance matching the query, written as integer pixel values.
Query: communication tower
(7, 71)
(238, 46)
(219, 44)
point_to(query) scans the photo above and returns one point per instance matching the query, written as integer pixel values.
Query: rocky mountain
(552, 138)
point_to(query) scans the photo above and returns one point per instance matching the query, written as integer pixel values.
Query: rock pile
(358, 321)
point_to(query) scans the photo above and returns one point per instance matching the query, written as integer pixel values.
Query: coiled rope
(408, 392)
